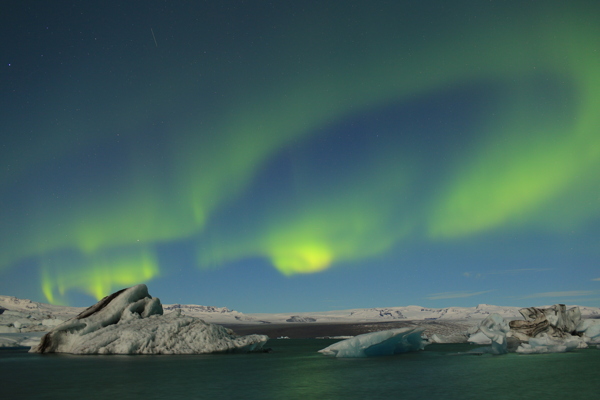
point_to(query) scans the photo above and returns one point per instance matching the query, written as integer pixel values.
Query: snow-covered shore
(20, 317)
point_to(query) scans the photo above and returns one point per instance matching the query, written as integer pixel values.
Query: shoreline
(310, 330)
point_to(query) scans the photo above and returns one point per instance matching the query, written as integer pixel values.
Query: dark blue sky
(297, 157)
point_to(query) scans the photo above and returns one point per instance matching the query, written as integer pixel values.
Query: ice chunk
(20, 339)
(590, 328)
(563, 319)
(435, 338)
(496, 328)
(543, 330)
(546, 344)
(479, 338)
(8, 329)
(555, 321)
(51, 322)
(382, 343)
(131, 322)
(455, 338)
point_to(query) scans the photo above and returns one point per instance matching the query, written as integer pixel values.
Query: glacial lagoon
(295, 370)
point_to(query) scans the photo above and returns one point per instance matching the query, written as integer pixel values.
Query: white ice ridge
(132, 322)
(382, 343)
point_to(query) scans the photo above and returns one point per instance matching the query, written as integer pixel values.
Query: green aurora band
(524, 167)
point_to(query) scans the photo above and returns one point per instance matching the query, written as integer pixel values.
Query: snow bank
(131, 322)
(382, 343)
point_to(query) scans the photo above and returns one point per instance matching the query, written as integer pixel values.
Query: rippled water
(294, 370)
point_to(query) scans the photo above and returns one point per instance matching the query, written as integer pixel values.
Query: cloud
(478, 275)
(597, 279)
(572, 293)
(454, 295)
(519, 271)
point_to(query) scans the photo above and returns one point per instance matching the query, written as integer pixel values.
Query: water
(294, 370)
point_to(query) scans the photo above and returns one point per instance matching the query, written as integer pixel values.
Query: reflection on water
(295, 370)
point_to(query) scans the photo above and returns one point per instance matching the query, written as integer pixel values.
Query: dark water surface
(294, 370)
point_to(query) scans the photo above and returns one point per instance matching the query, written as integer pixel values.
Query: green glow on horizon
(98, 275)
(313, 243)
(351, 220)
(314, 240)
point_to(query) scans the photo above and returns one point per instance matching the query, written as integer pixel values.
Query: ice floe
(382, 343)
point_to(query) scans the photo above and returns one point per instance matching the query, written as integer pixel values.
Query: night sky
(301, 155)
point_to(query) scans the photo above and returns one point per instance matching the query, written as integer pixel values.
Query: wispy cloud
(519, 271)
(475, 275)
(597, 279)
(505, 272)
(454, 295)
(572, 293)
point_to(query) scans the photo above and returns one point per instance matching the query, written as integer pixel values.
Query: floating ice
(382, 343)
(590, 328)
(496, 328)
(456, 338)
(479, 338)
(27, 339)
(131, 322)
(546, 344)
(543, 330)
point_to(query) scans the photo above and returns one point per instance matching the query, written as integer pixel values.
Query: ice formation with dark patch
(555, 329)
(130, 321)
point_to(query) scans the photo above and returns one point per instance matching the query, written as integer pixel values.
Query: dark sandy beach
(315, 329)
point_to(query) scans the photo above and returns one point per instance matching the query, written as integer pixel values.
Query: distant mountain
(208, 313)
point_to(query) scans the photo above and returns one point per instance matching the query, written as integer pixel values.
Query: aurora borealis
(286, 157)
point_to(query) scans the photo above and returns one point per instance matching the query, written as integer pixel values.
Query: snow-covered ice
(382, 343)
(443, 325)
(132, 322)
(37, 313)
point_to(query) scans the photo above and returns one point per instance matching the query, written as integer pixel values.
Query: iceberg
(496, 328)
(543, 330)
(555, 320)
(479, 338)
(382, 343)
(590, 329)
(130, 321)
